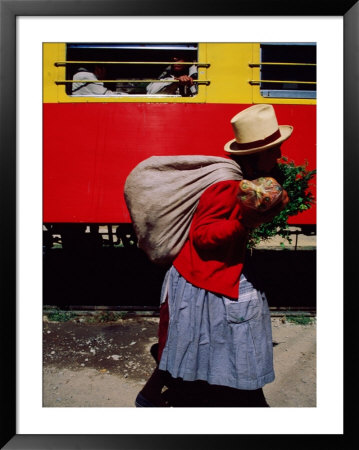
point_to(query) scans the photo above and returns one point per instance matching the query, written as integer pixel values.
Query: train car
(92, 142)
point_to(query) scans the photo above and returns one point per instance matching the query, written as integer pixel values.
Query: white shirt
(170, 87)
(88, 88)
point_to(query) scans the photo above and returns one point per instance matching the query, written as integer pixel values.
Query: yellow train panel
(233, 72)
(229, 73)
(53, 52)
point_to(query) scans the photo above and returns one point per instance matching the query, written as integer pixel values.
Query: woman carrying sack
(215, 337)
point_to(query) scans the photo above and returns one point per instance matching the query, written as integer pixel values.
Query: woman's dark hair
(245, 161)
(248, 164)
(184, 56)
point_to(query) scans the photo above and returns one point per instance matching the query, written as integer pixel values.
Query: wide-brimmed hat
(256, 129)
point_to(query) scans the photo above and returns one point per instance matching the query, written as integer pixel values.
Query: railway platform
(93, 361)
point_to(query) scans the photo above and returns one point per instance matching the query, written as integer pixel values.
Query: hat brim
(232, 146)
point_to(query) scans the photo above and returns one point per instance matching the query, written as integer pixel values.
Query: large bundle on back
(162, 193)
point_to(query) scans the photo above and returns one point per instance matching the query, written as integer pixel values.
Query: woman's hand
(252, 218)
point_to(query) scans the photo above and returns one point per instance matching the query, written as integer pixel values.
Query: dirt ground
(106, 364)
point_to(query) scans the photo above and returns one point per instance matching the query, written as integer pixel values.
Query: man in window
(93, 88)
(184, 73)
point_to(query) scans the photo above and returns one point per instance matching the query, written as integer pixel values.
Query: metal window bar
(255, 82)
(196, 63)
(279, 64)
(203, 82)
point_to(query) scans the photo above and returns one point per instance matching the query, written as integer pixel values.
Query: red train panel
(90, 148)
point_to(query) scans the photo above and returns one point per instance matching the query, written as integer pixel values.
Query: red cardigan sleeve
(217, 219)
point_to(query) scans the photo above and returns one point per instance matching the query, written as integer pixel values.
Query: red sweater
(213, 255)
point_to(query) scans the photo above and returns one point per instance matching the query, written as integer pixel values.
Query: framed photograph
(25, 28)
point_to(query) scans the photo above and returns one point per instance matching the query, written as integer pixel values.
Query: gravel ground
(106, 364)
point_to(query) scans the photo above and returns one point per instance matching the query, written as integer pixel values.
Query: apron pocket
(242, 311)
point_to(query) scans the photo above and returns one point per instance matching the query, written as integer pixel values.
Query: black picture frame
(9, 10)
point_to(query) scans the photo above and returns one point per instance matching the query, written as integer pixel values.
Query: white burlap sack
(162, 193)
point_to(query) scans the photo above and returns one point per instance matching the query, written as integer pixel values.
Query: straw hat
(256, 129)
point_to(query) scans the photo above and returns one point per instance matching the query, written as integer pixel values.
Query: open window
(130, 68)
(288, 70)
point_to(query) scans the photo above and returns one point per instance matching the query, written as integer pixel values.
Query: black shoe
(142, 402)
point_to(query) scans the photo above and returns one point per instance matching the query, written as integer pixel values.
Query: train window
(130, 69)
(288, 70)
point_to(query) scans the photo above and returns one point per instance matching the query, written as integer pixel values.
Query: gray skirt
(216, 339)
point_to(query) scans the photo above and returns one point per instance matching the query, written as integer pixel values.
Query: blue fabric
(217, 339)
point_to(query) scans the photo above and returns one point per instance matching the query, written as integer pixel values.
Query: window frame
(192, 47)
(283, 93)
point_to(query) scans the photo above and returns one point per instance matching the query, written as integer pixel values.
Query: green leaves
(296, 181)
